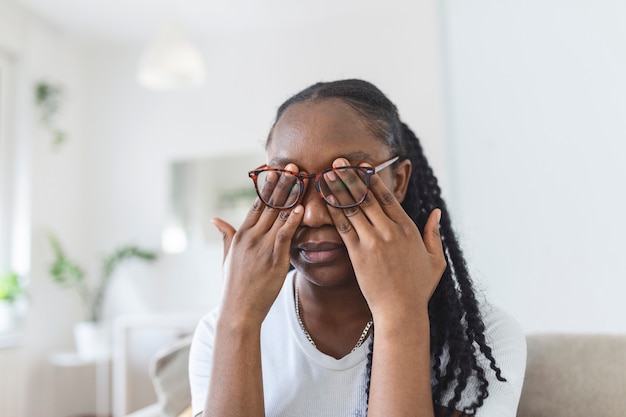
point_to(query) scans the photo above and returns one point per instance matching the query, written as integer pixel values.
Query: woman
(378, 316)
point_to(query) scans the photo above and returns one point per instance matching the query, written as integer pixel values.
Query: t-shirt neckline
(352, 359)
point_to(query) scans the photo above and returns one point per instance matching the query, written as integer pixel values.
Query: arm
(256, 262)
(398, 272)
(400, 382)
(401, 374)
(236, 387)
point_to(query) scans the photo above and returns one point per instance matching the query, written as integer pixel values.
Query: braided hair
(457, 331)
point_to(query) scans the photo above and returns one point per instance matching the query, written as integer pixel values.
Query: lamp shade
(171, 62)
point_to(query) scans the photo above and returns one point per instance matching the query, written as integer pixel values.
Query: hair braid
(456, 327)
(461, 322)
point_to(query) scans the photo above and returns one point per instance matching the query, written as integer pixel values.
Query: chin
(331, 275)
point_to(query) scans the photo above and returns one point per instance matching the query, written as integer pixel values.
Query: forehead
(312, 134)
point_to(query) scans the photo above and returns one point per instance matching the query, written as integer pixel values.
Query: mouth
(322, 252)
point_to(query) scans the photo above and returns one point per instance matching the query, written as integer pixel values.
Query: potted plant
(68, 274)
(48, 101)
(11, 291)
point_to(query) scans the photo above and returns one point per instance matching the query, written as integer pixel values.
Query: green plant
(69, 274)
(48, 98)
(10, 286)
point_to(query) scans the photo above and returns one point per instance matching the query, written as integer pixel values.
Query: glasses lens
(278, 189)
(344, 187)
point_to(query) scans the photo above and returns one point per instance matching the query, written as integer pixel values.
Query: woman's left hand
(395, 266)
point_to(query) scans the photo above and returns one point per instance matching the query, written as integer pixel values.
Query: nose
(315, 209)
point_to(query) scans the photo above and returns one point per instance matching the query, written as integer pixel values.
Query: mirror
(203, 188)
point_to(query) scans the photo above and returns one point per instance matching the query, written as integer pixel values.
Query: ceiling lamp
(171, 62)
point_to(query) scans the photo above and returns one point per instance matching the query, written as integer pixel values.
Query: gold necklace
(308, 336)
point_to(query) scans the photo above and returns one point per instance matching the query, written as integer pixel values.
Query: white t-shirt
(301, 381)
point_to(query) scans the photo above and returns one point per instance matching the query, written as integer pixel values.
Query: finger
(227, 231)
(253, 214)
(283, 216)
(279, 188)
(283, 188)
(385, 198)
(363, 214)
(432, 236)
(344, 224)
(349, 191)
(286, 231)
(343, 182)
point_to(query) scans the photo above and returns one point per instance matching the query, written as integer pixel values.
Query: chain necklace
(308, 336)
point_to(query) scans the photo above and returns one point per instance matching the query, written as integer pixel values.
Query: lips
(320, 252)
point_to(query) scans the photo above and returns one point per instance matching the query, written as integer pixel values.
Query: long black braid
(457, 331)
(456, 323)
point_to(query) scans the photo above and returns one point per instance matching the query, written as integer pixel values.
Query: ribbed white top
(301, 381)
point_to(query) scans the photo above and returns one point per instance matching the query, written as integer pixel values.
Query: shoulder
(507, 343)
(206, 325)
(506, 339)
(497, 320)
(203, 336)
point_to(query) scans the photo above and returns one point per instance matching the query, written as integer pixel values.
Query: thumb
(227, 231)
(432, 237)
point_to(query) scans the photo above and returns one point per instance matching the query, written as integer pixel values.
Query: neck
(336, 304)
(334, 317)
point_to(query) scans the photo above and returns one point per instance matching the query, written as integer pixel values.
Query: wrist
(398, 320)
(238, 321)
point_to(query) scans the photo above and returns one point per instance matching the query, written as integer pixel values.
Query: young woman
(377, 316)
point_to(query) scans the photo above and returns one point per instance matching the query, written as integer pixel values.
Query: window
(14, 223)
(6, 163)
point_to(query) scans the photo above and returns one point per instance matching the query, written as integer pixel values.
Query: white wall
(534, 105)
(109, 185)
(51, 189)
(535, 113)
(134, 134)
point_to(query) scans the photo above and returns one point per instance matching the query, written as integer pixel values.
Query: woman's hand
(256, 257)
(396, 268)
(397, 271)
(256, 260)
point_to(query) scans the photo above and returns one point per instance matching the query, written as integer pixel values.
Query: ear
(402, 175)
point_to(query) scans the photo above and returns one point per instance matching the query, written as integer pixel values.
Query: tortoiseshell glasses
(341, 187)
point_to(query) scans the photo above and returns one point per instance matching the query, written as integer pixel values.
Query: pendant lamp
(171, 62)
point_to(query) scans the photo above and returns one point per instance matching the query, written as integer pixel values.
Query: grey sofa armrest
(168, 371)
(170, 376)
(574, 375)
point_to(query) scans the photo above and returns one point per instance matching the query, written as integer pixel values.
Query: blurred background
(108, 149)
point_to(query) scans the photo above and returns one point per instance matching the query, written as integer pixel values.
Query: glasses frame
(367, 171)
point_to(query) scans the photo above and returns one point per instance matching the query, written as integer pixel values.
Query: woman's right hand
(256, 259)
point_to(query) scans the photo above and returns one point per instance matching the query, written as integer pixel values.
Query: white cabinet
(78, 387)
(11, 379)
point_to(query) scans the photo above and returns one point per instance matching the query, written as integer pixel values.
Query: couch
(573, 375)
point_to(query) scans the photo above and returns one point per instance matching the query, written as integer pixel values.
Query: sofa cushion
(170, 377)
(575, 376)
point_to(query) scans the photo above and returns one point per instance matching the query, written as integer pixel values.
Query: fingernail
(438, 216)
(298, 209)
(340, 162)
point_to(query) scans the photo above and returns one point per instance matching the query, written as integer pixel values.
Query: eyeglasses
(341, 187)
